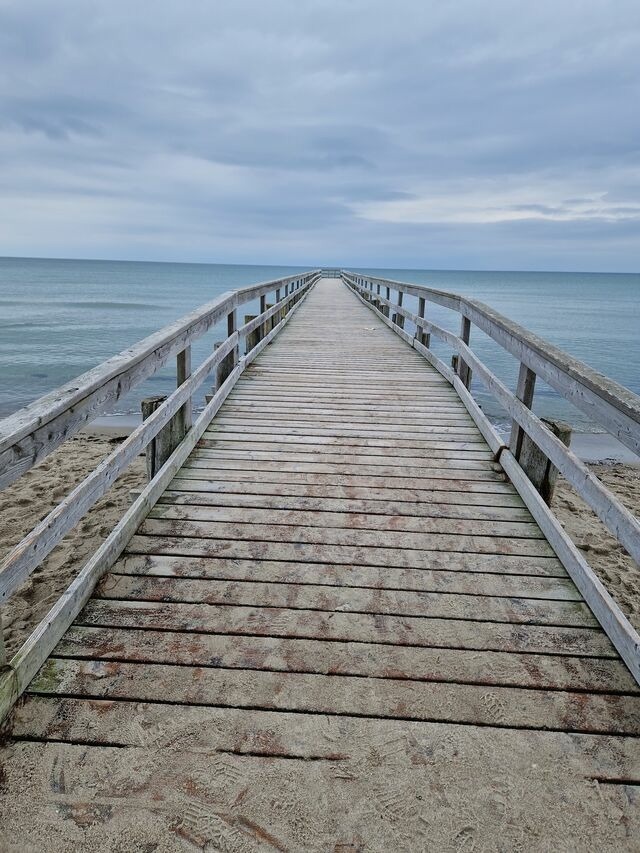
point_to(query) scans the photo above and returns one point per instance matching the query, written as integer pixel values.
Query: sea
(59, 318)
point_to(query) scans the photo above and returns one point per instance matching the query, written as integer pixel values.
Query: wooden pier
(334, 625)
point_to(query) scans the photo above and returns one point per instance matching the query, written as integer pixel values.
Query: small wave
(140, 306)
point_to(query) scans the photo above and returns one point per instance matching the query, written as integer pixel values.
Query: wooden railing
(604, 401)
(35, 431)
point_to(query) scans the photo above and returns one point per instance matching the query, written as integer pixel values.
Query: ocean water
(59, 318)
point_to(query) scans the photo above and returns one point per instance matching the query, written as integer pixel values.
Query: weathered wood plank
(348, 520)
(352, 600)
(280, 436)
(35, 546)
(504, 498)
(336, 452)
(475, 544)
(437, 480)
(357, 659)
(388, 698)
(442, 468)
(352, 627)
(371, 577)
(360, 555)
(210, 730)
(431, 509)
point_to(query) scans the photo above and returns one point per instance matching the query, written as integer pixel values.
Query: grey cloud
(199, 130)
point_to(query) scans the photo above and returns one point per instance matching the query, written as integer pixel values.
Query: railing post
(386, 307)
(229, 362)
(252, 338)
(524, 392)
(423, 337)
(464, 371)
(398, 318)
(261, 328)
(184, 417)
(165, 442)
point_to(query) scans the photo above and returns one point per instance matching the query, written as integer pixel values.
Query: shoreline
(596, 448)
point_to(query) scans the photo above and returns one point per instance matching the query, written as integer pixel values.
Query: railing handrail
(548, 361)
(229, 363)
(30, 434)
(620, 522)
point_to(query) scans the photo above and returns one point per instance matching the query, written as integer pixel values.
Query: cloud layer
(427, 134)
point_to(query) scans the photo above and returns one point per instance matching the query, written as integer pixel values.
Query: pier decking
(339, 628)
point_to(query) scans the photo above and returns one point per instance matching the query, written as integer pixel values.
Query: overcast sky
(434, 134)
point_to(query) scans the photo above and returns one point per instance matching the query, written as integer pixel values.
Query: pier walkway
(339, 628)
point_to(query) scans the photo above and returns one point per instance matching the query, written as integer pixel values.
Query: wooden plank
(436, 481)
(282, 437)
(504, 498)
(442, 468)
(210, 730)
(347, 520)
(336, 452)
(359, 555)
(351, 627)
(371, 577)
(352, 600)
(356, 659)
(341, 536)
(480, 460)
(372, 507)
(360, 416)
(325, 694)
(221, 430)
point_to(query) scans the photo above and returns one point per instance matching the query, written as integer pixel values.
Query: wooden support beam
(263, 307)
(536, 464)
(162, 446)
(464, 371)
(398, 318)
(524, 392)
(422, 337)
(269, 322)
(184, 418)
(227, 365)
(252, 337)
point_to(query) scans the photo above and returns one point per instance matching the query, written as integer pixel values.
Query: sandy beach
(35, 494)
(616, 570)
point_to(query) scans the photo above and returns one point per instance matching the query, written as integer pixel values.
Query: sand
(617, 571)
(35, 494)
(30, 498)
